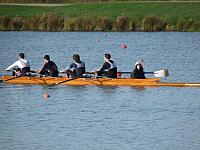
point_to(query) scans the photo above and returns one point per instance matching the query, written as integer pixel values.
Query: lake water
(102, 118)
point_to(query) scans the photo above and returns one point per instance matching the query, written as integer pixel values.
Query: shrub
(182, 25)
(55, 23)
(47, 22)
(104, 24)
(194, 25)
(122, 24)
(85, 24)
(170, 27)
(35, 23)
(16, 23)
(151, 23)
(132, 25)
(79, 24)
(69, 24)
(5, 23)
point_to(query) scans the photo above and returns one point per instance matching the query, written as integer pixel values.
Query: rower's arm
(103, 68)
(13, 65)
(42, 71)
(72, 67)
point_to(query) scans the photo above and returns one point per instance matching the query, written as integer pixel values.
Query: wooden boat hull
(96, 81)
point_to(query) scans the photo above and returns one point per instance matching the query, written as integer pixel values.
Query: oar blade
(161, 73)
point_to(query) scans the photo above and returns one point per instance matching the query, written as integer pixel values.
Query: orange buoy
(46, 95)
(124, 46)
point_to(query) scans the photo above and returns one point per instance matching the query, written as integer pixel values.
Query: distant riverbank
(116, 16)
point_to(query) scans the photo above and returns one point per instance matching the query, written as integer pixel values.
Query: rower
(22, 64)
(109, 68)
(77, 67)
(138, 72)
(49, 68)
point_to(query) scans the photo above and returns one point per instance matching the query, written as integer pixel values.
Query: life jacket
(112, 65)
(112, 71)
(80, 69)
(79, 65)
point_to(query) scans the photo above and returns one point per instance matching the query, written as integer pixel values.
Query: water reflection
(107, 90)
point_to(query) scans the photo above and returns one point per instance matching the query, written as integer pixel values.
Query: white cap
(137, 63)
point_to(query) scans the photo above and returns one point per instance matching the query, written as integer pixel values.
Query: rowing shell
(96, 81)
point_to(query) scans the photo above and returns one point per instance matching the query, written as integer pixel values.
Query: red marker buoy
(46, 95)
(124, 46)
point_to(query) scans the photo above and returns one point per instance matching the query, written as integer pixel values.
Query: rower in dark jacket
(49, 68)
(109, 68)
(138, 72)
(77, 67)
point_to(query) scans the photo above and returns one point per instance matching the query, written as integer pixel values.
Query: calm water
(93, 117)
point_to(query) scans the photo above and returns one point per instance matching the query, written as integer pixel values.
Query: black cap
(21, 55)
(47, 57)
(108, 56)
(76, 57)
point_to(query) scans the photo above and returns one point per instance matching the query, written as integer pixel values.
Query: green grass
(72, 1)
(170, 11)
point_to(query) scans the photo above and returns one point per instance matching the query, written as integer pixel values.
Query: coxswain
(23, 67)
(77, 67)
(109, 68)
(138, 72)
(49, 68)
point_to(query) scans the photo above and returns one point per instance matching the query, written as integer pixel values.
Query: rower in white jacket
(22, 66)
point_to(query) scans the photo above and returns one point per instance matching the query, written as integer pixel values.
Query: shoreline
(114, 16)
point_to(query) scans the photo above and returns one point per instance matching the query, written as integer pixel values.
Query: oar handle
(149, 72)
(33, 71)
(90, 73)
(159, 73)
(124, 72)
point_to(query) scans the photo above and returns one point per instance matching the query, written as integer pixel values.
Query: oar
(62, 82)
(10, 79)
(69, 79)
(17, 76)
(159, 73)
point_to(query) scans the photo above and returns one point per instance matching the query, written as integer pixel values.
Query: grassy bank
(135, 16)
(74, 1)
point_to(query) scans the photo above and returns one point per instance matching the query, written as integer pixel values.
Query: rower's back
(112, 71)
(80, 68)
(26, 67)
